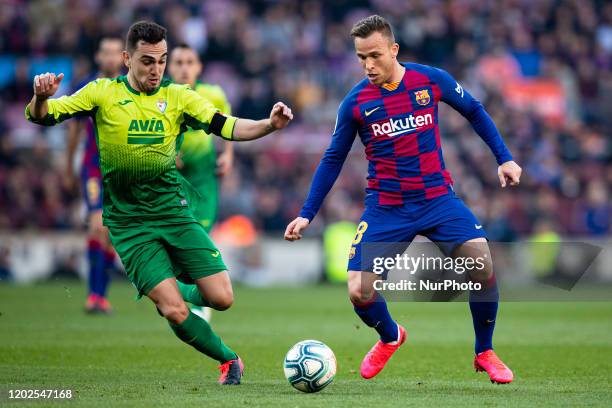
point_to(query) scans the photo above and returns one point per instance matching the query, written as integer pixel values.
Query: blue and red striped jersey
(398, 127)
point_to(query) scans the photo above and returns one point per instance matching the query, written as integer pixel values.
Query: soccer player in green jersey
(197, 159)
(137, 119)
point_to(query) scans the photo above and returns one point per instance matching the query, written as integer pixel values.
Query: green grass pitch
(561, 353)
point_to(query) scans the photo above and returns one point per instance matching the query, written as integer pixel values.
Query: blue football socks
(483, 305)
(374, 313)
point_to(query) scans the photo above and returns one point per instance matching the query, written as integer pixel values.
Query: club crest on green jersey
(161, 105)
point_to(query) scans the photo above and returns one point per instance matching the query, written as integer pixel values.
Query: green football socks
(198, 333)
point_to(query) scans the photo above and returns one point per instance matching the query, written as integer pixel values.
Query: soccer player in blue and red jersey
(100, 253)
(395, 112)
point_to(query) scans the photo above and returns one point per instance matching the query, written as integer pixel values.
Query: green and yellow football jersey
(137, 134)
(198, 152)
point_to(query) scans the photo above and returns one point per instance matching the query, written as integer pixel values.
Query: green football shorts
(152, 253)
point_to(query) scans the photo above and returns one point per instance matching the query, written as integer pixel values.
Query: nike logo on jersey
(369, 112)
(477, 226)
(125, 102)
(215, 254)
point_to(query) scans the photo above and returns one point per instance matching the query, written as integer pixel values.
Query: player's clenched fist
(509, 171)
(280, 116)
(45, 85)
(295, 227)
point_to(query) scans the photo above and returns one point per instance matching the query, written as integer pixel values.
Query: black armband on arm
(216, 124)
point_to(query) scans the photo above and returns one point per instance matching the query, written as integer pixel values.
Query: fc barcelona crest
(161, 105)
(422, 97)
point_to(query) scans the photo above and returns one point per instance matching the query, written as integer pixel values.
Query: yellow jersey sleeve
(83, 102)
(199, 113)
(217, 97)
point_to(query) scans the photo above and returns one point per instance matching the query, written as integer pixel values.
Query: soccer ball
(310, 366)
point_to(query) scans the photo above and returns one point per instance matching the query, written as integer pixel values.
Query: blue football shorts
(444, 220)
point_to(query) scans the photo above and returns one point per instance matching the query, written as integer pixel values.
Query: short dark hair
(372, 24)
(146, 31)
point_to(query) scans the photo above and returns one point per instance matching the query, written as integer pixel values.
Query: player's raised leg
(484, 306)
(153, 255)
(194, 254)
(371, 308)
(195, 331)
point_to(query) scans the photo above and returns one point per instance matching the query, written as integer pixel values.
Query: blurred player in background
(395, 112)
(197, 160)
(100, 253)
(138, 117)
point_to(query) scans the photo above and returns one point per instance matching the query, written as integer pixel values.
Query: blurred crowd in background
(542, 68)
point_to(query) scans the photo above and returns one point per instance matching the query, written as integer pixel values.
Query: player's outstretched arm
(509, 172)
(247, 129)
(293, 232)
(45, 86)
